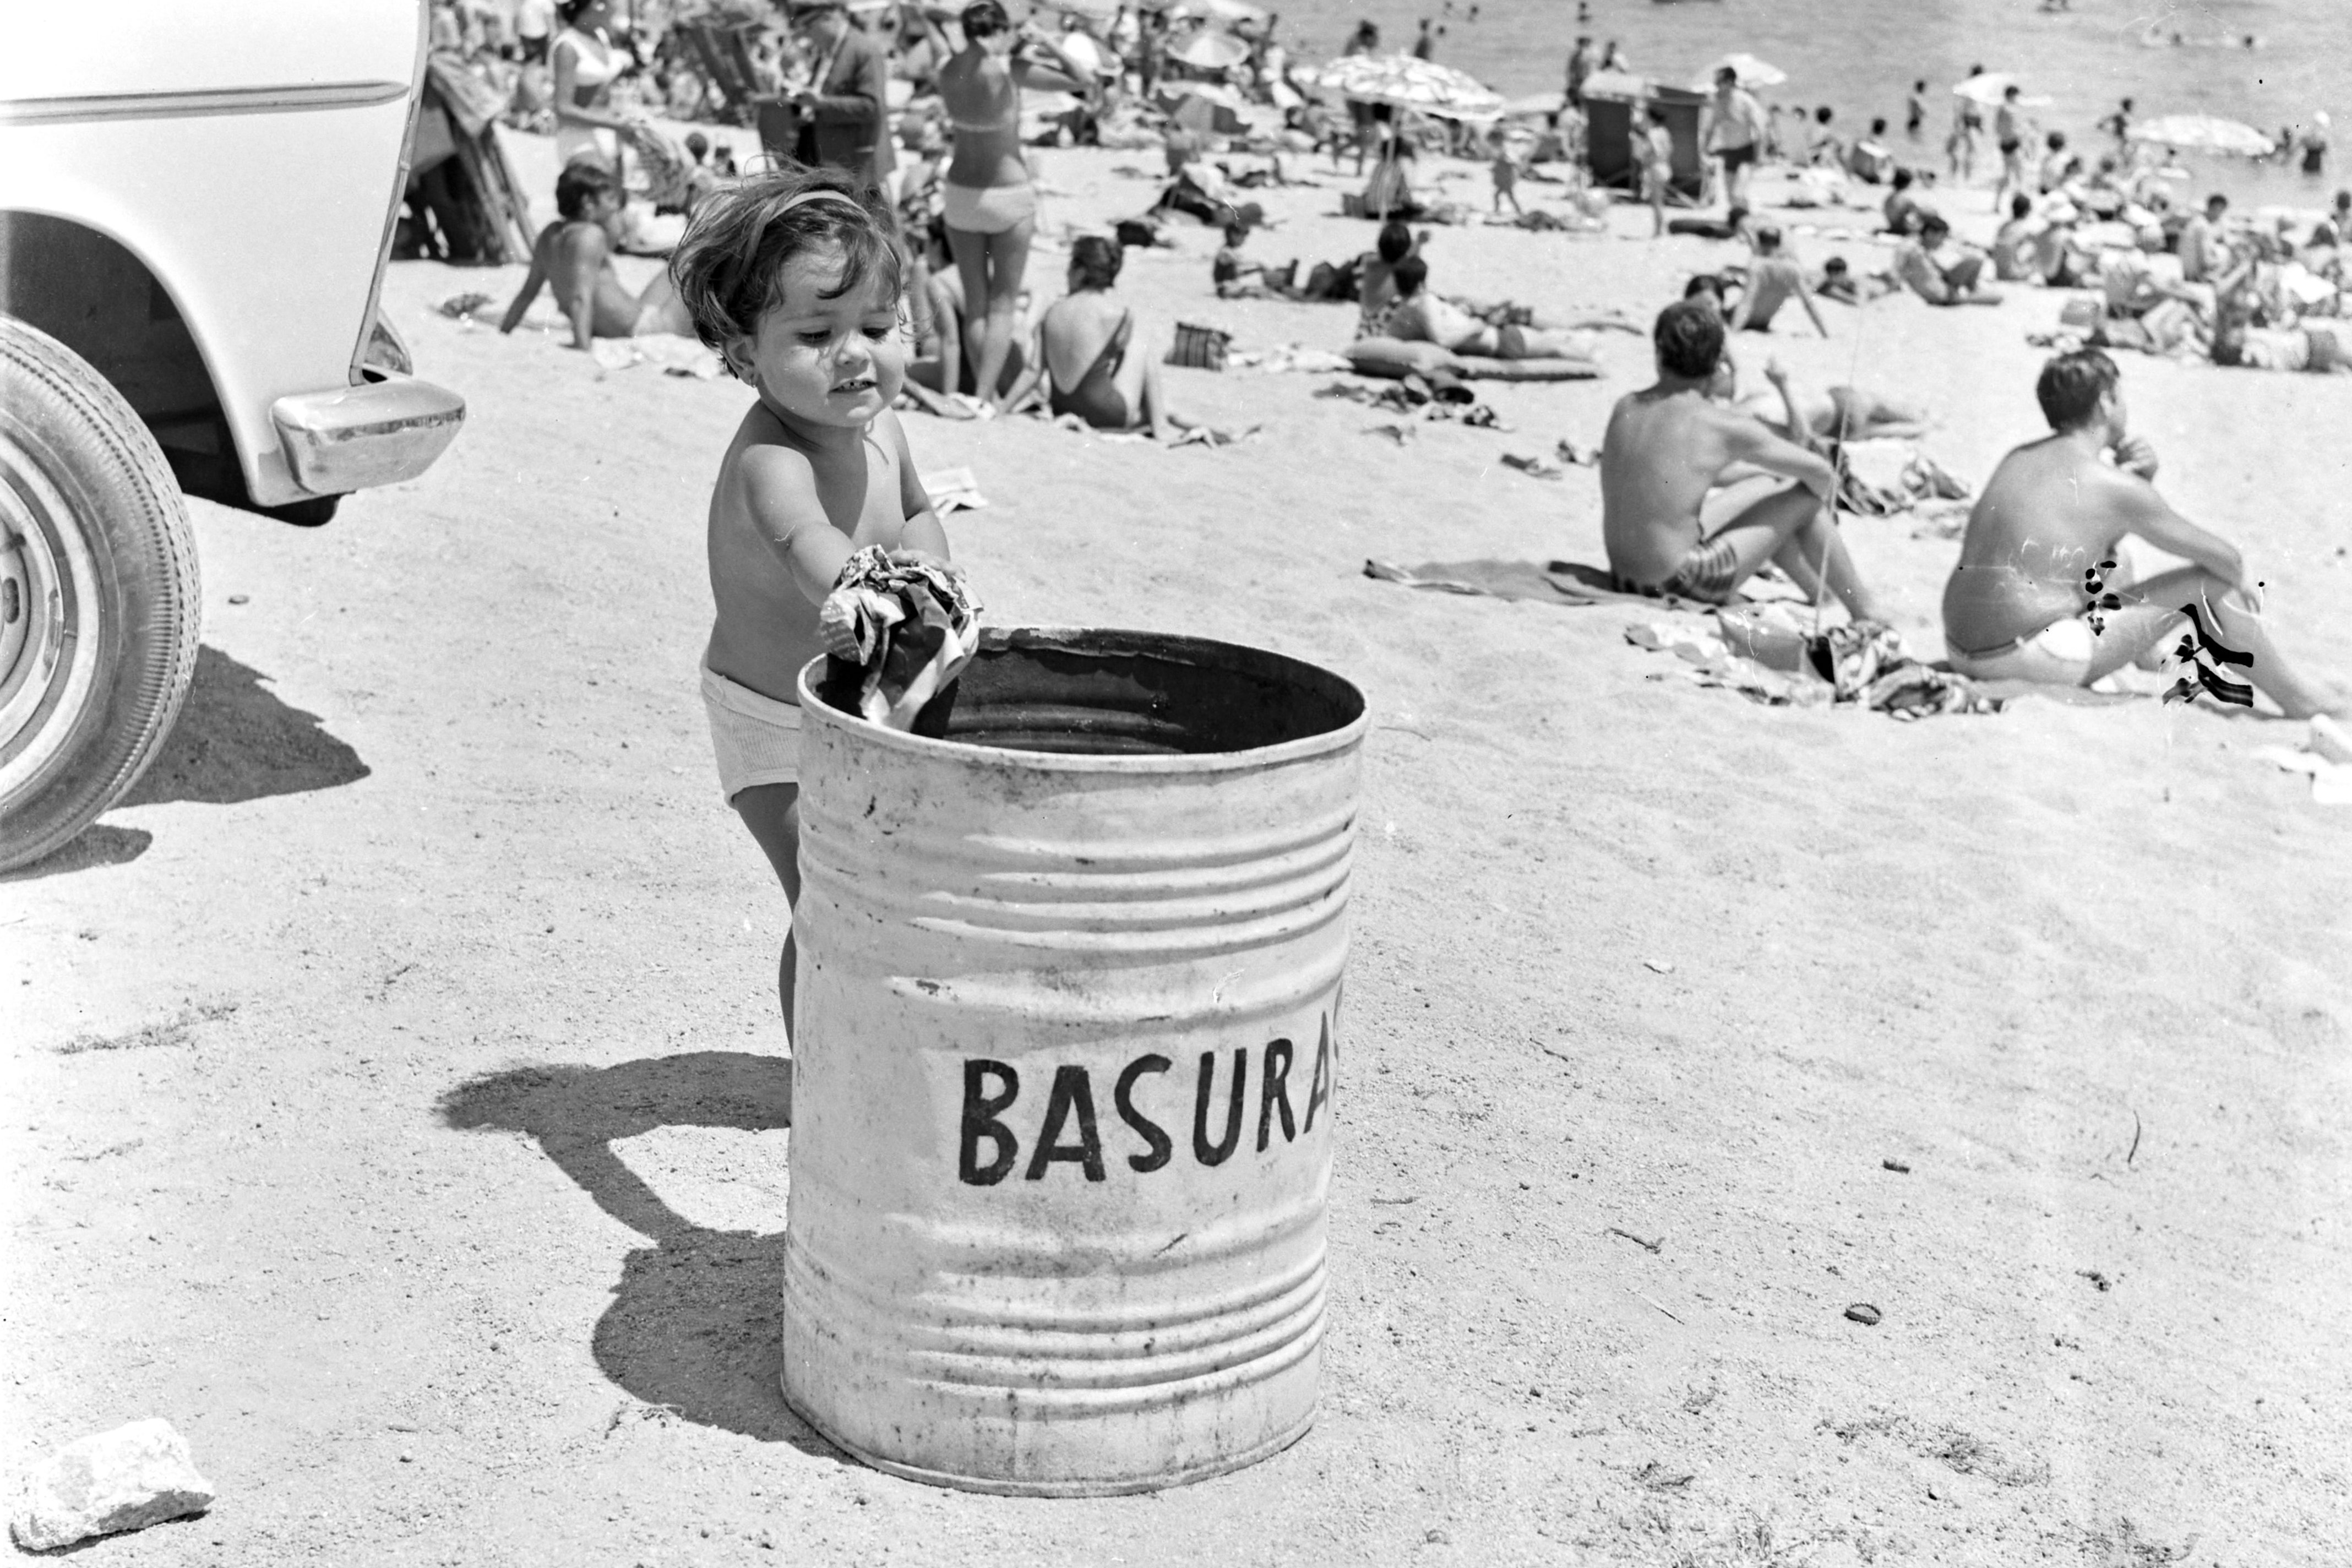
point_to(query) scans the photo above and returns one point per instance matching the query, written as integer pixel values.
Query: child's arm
(779, 488)
(922, 532)
(530, 286)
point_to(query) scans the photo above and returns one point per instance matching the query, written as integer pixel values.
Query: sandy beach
(1631, 956)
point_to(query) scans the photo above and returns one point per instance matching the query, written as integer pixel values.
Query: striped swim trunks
(1708, 574)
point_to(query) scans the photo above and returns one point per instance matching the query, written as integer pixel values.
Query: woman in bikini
(586, 63)
(991, 205)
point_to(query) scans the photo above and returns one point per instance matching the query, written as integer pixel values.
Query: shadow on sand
(696, 1323)
(235, 740)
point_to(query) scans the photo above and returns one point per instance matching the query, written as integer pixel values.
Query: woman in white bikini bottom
(997, 209)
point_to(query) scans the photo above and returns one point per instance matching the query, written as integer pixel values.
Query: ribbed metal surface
(1064, 1065)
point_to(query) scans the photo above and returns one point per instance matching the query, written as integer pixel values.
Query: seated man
(2017, 606)
(1420, 316)
(1903, 208)
(1868, 159)
(1772, 280)
(574, 257)
(1668, 528)
(1942, 270)
(2036, 248)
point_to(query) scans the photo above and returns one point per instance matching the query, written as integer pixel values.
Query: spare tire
(98, 601)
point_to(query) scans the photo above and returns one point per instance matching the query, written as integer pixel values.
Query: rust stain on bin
(1069, 986)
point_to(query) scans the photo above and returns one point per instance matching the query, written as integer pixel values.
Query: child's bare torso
(765, 630)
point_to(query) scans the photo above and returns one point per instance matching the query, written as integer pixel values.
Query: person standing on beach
(988, 199)
(1580, 66)
(1657, 147)
(1733, 128)
(1425, 45)
(2313, 145)
(845, 116)
(2009, 132)
(1915, 111)
(2017, 607)
(1960, 146)
(1672, 527)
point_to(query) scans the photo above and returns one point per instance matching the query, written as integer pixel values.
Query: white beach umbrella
(1411, 83)
(1240, 13)
(1210, 51)
(1985, 86)
(1751, 71)
(2202, 133)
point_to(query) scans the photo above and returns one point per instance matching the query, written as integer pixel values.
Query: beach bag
(1198, 347)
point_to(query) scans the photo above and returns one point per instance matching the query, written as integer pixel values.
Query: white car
(196, 203)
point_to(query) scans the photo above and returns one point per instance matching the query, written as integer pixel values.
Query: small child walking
(796, 283)
(1506, 171)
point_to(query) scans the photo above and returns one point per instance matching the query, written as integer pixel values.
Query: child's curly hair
(728, 267)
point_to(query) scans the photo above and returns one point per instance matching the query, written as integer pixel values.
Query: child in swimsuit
(794, 281)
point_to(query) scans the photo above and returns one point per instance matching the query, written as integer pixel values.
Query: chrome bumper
(354, 437)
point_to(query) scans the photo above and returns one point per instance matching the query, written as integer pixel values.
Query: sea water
(1860, 58)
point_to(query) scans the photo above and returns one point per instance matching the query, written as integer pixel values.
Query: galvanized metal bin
(1064, 1064)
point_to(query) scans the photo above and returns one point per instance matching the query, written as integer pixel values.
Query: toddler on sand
(795, 283)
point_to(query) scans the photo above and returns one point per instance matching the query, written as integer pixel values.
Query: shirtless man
(1772, 281)
(574, 257)
(1669, 529)
(2016, 607)
(1941, 272)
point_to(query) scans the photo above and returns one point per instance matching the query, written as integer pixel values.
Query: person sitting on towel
(2017, 605)
(574, 257)
(1420, 316)
(1087, 354)
(1773, 279)
(1696, 496)
(1942, 270)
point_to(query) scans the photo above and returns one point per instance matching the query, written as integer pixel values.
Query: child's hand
(1775, 371)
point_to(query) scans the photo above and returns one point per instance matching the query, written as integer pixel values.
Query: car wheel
(98, 601)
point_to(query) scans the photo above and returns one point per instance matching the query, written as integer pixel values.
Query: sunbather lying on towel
(1420, 316)
(2019, 607)
(1834, 414)
(574, 257)
(1668, 528)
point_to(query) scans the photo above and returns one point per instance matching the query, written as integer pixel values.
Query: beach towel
(675, 355)
(1861, 665)
(952, 490)
(2326, 756)
(1473, 368)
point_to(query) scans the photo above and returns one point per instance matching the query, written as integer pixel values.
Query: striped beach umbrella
(1410, 83)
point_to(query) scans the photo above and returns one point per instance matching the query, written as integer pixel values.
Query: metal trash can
(1063, 1063)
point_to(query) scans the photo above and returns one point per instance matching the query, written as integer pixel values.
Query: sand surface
(1628, 952)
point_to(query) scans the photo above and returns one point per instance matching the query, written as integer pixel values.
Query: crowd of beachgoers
(894, 179)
